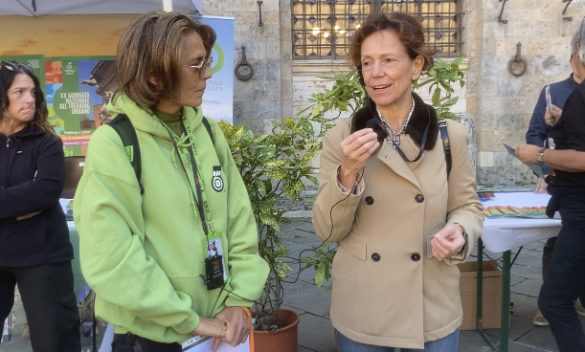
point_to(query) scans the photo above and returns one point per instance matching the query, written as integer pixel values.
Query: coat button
(375, 257)
(415, 257)
(419, 198)
(369, 200)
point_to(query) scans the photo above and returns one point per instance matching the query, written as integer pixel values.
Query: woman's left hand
(238, 326)
(448, 241)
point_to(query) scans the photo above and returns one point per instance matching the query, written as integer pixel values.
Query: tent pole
(168, 5)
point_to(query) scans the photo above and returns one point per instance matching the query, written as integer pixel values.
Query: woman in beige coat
(401, 220)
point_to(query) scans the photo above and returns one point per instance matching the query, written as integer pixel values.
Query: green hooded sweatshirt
(143, 255)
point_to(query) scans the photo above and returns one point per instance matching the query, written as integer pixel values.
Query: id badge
(215, 266)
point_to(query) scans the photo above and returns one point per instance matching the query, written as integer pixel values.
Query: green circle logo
(220, 59)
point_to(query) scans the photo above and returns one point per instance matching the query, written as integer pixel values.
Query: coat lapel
(390, 157)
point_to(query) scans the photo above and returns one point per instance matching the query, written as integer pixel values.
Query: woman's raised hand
(356, 149)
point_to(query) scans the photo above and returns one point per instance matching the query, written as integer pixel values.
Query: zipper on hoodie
(7, 141)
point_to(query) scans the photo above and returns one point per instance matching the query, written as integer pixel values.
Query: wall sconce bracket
(500, 19)
(517, 65)
(244, 71)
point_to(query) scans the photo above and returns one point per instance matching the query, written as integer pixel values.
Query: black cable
(298, 260)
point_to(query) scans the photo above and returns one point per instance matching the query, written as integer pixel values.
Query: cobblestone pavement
(312, 302)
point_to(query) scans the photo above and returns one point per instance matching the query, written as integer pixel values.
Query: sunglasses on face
(203, 65)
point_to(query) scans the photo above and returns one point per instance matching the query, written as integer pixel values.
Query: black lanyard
(422, 142)
(199, 197)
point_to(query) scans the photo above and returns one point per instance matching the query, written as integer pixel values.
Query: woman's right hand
(356, 149)
(211, 327)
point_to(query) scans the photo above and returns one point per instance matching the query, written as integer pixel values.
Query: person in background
(565, 279)
(35, 252)
(385, 195)
(538, 134)
(145, 253)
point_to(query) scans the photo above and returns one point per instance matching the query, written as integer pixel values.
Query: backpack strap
(123, 126)
(208, 128)
(446, 144)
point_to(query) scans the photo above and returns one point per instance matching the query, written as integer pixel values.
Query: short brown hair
(409, 30)
(152, 47)
(8, 71)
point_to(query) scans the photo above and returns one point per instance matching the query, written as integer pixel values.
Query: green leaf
(320, 275)
(436, 97)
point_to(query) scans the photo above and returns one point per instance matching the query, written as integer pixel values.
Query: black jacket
(32, 173)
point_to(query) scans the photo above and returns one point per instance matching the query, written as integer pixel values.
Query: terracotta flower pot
(284, 339)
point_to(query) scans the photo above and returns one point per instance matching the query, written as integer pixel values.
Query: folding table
(507, 232)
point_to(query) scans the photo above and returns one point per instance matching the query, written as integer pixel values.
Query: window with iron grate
(323, 29)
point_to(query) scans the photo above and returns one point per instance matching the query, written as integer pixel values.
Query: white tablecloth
(503, 234)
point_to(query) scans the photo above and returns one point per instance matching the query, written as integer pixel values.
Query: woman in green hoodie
(144, 252)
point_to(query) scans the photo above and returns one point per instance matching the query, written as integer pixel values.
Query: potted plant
(274, 166)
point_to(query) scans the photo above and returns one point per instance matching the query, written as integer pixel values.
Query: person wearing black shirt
(566, 184)
(539, 134)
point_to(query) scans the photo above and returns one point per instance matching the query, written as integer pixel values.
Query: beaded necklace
(394, 136)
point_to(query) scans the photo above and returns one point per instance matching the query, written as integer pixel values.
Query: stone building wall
(502, 103)
(499, 103)
(267, 95)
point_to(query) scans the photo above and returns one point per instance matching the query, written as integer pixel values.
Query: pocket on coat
(356, 246)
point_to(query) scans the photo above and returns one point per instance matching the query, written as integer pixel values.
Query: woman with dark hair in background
(35, 252)
(401, 219)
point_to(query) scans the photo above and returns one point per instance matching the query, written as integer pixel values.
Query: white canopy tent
(86, 7)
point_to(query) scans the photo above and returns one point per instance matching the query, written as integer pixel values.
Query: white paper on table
(203, 344)
(506, 233)
(518, 199)
(503, 234)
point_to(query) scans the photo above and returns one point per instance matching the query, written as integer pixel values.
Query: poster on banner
(77, 90)
(218, 100)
